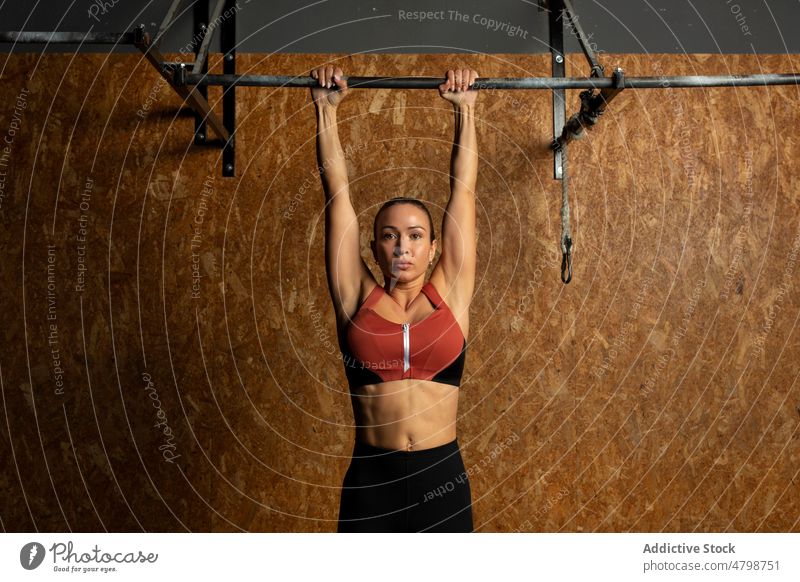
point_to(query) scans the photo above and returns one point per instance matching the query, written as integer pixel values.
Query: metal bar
(559, 71)
(189, 94)
(200, 65)
(67, 37)
(596, 68)
(169, 20)
(227, 39)
(202, 54)
(502, 82)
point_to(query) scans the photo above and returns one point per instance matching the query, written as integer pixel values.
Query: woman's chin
(401, 276)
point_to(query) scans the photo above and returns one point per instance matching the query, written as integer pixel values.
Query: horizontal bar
(67, 37)
(500, 83)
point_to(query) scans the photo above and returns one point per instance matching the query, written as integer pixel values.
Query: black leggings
(387, 490)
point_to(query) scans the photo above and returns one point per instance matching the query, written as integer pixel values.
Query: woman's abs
(405, 414)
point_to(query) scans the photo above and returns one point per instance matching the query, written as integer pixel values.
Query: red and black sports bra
(377, 350)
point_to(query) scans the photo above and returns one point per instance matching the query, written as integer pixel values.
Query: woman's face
(403, 248)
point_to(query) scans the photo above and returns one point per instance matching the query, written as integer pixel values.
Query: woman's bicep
(345, 268)
(459, 254)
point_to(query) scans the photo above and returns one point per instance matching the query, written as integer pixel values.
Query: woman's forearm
(330, 156)
(464, 159)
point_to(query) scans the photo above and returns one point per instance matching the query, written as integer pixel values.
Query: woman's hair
(402, 200)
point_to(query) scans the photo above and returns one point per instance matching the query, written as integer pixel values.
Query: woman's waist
(386, 450)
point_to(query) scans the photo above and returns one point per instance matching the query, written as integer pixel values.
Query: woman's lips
(402, 265)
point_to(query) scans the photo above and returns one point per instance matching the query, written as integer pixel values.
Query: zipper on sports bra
(406, 363)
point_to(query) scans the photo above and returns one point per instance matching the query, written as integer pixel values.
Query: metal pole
(499, 83)
(597, 69)
(67, 37)
(169, 20)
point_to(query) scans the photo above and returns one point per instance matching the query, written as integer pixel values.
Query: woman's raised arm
(345, 268)
(458, 257)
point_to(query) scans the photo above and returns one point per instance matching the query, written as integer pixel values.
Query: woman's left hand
(456, 88)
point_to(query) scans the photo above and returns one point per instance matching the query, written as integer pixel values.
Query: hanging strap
(566, 237)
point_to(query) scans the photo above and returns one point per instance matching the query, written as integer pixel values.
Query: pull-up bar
(182, 77)
(190, 80)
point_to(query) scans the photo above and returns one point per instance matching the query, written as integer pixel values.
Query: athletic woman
(403, 342)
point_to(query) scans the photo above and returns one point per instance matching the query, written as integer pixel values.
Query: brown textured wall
(658, 391)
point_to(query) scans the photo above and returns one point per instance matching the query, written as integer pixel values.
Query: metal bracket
(593, 105)
(177, 75)
(559, 70)
(228, 48)
(190, 95)
(200, 66)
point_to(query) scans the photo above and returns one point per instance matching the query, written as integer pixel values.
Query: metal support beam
(595, 68)
(228, 47)
(189, 94)
(169, 20)
(201, 57)
(559, 71)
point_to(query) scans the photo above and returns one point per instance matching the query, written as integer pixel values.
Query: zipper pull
(406, 358)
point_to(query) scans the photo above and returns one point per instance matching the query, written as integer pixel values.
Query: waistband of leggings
(362, 449)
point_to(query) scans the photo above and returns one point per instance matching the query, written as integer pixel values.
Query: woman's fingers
(459, 80)
(337, 76)
(319, 74)
(329, 76)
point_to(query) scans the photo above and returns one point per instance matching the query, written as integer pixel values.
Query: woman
(404, 342)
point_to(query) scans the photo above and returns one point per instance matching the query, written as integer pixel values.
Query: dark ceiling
(417, 26)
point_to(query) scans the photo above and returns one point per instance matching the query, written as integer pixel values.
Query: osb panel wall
(169, 359)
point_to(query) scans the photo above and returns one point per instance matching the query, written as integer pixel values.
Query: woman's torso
(410, 413)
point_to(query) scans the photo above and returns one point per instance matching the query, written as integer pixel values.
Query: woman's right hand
(332, 87)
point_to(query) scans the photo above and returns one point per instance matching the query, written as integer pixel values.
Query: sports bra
(377, 350)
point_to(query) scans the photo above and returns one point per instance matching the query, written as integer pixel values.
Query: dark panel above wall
(418, 26)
